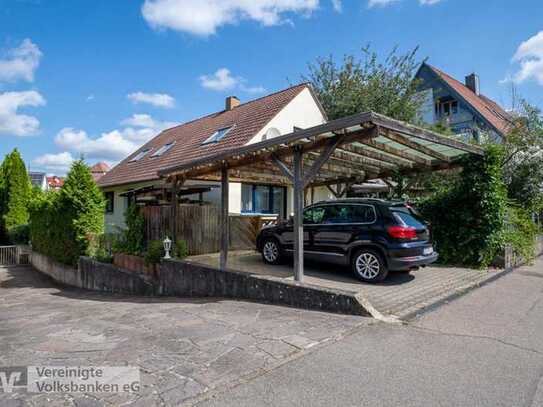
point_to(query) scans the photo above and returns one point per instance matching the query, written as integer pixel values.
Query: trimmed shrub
(182, 249)
(155, 252)
(68, 224)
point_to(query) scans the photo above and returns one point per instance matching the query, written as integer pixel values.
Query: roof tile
(248, 118)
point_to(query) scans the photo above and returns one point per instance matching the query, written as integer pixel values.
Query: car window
(408, 219)
(340, 214)
(314, 216)
(362, 214)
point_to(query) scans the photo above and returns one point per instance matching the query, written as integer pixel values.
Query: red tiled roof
(490, 110)
(100, 167)
(55, 182)
(247, 118)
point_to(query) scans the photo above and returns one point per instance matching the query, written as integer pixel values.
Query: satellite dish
(271, 133)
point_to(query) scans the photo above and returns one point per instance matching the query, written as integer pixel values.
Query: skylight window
(140, 155)
(163, 150)
(218, 135)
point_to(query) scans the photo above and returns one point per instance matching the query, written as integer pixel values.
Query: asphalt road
(483, 349)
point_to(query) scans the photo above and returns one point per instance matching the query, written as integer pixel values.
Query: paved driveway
(184, 348)
(401, 295)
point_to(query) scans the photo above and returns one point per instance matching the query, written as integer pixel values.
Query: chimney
(472, 82)
(231, 102)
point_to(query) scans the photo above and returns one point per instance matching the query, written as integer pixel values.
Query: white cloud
(113, 145)
(223, 80)
(11, 121)
(337, 5)
(155, 99)
(202, 18)
(530, 57)
(21, 62)
(429, 2)
(60, 162)
(90, 98)
(380, 3)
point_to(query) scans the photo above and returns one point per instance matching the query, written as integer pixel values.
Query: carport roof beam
(366, 141)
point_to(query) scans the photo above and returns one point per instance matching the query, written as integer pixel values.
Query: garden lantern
(167, 247)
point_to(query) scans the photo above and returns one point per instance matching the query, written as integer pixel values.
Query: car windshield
(408, 217)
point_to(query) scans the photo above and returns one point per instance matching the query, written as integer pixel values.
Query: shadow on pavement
(26, 277)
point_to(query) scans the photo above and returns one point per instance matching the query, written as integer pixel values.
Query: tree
(15, 192)
(523, 164)
(364, 84)
(83, 204)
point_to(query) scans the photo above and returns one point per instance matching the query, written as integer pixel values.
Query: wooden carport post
(298, 231)
(224, 226)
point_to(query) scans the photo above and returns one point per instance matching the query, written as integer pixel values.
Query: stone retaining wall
(93, 275)
(183, 279)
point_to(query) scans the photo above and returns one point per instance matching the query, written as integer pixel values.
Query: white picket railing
(9, 255)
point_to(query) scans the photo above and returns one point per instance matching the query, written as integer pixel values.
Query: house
(237, 125)
(54, 183)
(461, 106)
(98, 170)
(38, 179)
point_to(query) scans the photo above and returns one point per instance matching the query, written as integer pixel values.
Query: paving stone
(184, 347)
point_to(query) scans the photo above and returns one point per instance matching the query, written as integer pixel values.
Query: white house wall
(302, 112)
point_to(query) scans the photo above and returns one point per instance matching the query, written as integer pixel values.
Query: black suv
(371, 235)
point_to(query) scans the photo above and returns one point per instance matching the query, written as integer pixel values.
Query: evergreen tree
(15, 192)
(82, 205)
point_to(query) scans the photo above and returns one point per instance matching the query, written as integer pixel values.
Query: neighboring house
(461, 106)
(38, 179)
(98, 170)
(54, 183)
(237, 125)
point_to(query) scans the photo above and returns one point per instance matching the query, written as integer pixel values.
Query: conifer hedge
(67, 224)
(15, 194)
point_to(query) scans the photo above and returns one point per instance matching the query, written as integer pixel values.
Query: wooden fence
(10, 255)
(199, 227)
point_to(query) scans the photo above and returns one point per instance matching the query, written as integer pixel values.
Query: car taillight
(402, 232)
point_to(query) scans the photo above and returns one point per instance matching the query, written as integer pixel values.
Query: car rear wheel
(271, 251)
(369, 266)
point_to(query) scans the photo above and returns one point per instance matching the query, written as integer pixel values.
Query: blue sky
(101, 77)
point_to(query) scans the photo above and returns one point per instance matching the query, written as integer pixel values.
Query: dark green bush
(521, 232)
(182, 249)
(468, 219)
(154, 253)
(67, 224)
(131, 240)
(19, 234)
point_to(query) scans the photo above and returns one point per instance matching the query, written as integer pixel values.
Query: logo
(12, 377)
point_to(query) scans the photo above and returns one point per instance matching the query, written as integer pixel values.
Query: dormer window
(446, 107)
(140, 155)
(163, 150)
(218, 135)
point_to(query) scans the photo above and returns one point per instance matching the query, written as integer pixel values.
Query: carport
(337, 154)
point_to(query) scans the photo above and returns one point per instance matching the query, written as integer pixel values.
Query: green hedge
(468, 220)
(67, 224)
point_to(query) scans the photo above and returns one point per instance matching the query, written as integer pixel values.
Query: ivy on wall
(468, 220)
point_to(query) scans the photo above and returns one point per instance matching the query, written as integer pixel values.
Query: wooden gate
(9, 255)
(199, 227)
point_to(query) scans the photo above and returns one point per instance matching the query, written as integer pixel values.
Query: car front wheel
(271, 251)
(369, 266)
